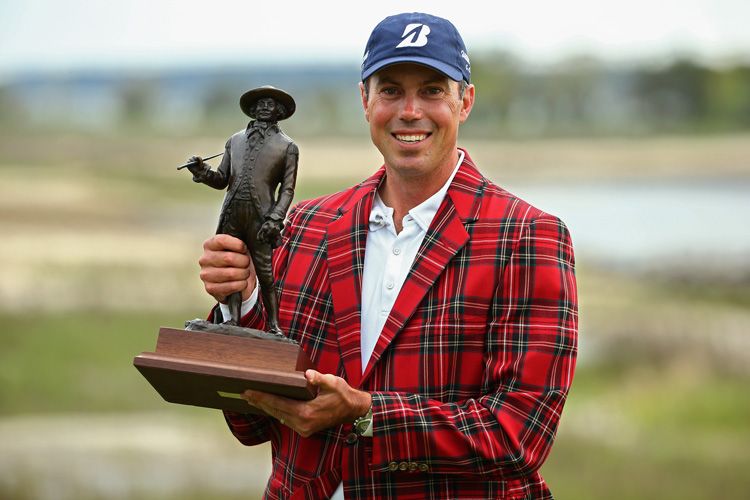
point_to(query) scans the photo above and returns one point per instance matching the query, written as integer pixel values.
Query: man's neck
(402, 193)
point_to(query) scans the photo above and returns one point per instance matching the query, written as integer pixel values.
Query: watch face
(362, 426)
(362, 423)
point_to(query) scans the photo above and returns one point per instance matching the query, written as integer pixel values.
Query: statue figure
(259, 170)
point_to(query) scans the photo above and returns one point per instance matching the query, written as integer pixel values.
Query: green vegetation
(582, 469)
(78, 361)
(650, 431)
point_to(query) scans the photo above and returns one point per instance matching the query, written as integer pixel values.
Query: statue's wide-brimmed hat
(249, 98)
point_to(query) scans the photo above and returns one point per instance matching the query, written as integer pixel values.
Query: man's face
(414, 113)
(266, 110)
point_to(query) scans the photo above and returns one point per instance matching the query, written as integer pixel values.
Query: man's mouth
(410, 138)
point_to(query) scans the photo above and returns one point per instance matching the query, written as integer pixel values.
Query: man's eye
(433, 91)
(389, 91)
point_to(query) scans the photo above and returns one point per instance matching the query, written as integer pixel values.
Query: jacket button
(424, 467)
(403, 466)
(413, 466)
(393, 466)
(351, 438)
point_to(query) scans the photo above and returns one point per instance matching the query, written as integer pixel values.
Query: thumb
(316, 378)
(313, 376)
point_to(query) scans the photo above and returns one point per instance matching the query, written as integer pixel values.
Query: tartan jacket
(473, 365)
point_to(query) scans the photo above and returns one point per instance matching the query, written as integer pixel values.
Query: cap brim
(443, 68)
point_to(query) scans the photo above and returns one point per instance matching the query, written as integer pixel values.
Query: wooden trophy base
(211, 370)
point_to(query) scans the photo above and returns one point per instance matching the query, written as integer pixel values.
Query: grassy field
(100, 238)
(645, 428)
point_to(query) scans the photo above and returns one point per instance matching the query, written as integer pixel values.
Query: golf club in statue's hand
(198, 159)
(198, 167)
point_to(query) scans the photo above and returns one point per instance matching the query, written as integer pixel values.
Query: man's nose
(411, 108)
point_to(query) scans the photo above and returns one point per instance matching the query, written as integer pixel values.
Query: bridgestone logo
(415, 35)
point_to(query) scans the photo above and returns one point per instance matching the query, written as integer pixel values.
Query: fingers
(350, 403)
(220, 291)
(337, 403)
(226, 267)
(297, 415)
(227, 261)
(276, 406)
(225, 274)
(226, 252)
(225, 242)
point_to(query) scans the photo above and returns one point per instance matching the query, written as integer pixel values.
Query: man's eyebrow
(437, 79)
(386, 80)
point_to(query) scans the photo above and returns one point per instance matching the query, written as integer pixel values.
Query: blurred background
(630, 120)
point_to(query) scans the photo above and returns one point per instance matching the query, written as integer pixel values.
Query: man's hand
(197, 167)
(270, 232)
(337, 403)
(226, 267)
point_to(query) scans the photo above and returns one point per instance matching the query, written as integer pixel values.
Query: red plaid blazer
(472, 368)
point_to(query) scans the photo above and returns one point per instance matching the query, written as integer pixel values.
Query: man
(439, 309)
(257, 161)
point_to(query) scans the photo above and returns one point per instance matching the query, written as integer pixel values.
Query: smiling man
(439, 309)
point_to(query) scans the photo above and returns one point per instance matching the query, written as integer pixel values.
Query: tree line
(580, 96)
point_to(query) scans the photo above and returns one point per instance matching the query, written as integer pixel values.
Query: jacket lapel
(444, 239)
(346, 239)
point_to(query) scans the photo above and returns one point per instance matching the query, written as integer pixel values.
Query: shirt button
(393, 466)
(389, 285)
(403, 466)
(423, 467)
(396, 251)
(413, 466)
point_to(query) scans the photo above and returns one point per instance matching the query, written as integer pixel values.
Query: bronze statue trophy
(196, 366)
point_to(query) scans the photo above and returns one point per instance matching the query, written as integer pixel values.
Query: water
(639, 221)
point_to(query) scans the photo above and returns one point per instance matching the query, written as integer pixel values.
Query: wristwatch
(362, 423)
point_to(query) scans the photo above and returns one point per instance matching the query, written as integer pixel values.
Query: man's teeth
(411, 138)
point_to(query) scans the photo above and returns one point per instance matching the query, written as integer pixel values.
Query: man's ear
(467, 102)
(363, 96)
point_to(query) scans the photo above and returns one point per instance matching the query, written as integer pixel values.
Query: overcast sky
(61, 34)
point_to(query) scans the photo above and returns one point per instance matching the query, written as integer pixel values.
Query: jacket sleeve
(218, 179)
(252, 429)
(531, 345)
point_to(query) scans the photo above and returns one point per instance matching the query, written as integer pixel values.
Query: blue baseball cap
(417, 38)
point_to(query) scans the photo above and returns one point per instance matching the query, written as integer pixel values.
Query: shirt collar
(260, 126)
(382, 215)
